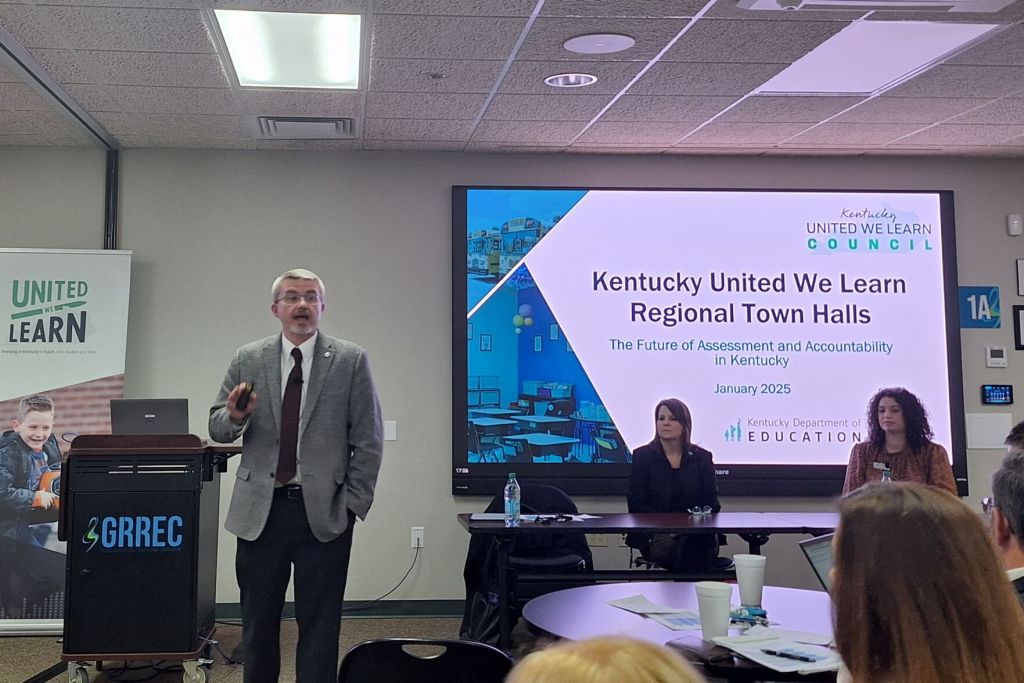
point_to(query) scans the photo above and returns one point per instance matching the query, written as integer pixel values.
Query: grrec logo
(153, 533)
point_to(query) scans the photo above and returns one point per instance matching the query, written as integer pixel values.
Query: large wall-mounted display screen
(775, 315)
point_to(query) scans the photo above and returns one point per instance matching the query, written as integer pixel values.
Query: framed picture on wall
(1018, 327)
(1020, 277)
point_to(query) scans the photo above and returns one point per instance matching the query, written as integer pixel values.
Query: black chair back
(423, 661)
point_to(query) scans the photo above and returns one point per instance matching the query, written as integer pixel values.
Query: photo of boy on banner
(30, 461)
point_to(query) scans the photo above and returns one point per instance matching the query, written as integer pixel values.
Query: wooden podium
(140, 516)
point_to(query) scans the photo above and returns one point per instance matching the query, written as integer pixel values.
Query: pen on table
(789, 655)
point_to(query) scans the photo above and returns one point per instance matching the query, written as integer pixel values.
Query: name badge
(879, 465)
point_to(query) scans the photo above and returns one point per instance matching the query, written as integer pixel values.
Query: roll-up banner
(64, 316)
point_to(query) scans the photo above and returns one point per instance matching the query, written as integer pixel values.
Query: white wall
(211, 229)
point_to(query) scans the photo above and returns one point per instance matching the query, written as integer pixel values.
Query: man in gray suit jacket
(311, 450)
(1006, 508)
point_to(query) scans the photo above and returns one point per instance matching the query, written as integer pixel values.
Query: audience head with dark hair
(1006, 508)
(918, 593)
(604, 660)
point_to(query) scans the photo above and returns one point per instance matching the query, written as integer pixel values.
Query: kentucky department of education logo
(734, 432)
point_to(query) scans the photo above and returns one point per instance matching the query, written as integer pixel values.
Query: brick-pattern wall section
(80, 409)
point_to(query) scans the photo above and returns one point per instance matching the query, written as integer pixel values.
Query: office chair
(424, 661)
(563, 552)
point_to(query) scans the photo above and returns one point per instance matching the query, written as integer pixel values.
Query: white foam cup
(713, 598)
(750, 576)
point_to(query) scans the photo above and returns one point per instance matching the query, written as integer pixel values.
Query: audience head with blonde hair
(918, 593)
(604, 660)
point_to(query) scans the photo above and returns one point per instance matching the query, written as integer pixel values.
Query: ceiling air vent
(878, 5)
(306, 128)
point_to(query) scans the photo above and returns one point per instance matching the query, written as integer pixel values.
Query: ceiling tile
(411, 75)
(267, 102)
(20, 97)
(428, 37)
(758, 42)
(134, 68)
(688, 78)
(506, 148)
(527, 77)
(855, 133)
(527, 132)
(546, 38)
(605, 148)
(7, 76)
(794, 109)
(998, 112)
(314, 145)
(31, 139)
(423, 106)
(666, 108)
(12, 124)
(744, 133)
(921, 110)
(964, 81)
(964, 134)
(563, 105)
(418, 145)
(732, 10)
(655, 9)
(641, 133)
(171, 100)
(107, 28)
(184, 126)
(416, 129)
(1004, 49)
(95, 98)
(457, 8)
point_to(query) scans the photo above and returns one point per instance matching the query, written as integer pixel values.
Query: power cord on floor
(364, 605)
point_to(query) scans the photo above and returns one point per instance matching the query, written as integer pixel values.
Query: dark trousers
(263, 568)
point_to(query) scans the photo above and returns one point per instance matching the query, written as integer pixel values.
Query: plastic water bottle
(512, 508)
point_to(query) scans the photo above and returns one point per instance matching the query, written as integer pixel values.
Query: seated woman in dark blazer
(670, 474)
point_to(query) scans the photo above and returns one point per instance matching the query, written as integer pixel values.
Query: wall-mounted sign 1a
(979, 307)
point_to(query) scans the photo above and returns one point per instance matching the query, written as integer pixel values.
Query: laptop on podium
(149, 416)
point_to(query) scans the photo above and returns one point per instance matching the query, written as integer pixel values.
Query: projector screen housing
(775, 315)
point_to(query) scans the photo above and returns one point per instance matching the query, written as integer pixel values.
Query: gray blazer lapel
(272, 367)
(323, 357)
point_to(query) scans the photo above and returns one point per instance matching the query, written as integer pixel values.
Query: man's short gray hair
(296, 274)
(1008, 490)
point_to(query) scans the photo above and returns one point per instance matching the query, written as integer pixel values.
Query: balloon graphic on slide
(525, 310)
(517, 320)
(527, 321)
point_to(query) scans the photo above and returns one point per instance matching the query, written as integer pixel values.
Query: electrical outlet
(417, 537)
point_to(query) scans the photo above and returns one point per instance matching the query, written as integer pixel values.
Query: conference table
(584, 612)
(754, 527)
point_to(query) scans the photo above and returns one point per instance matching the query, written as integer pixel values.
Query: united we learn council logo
(48, 311)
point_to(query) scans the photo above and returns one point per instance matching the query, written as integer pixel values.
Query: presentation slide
(774, 315)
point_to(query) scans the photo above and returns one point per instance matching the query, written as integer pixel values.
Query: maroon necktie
(290, 421)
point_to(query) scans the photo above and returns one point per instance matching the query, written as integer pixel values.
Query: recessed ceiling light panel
(570, 80)
(292, 50)
(599, 44)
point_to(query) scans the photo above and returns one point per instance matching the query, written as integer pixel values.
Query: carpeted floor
(23, 657)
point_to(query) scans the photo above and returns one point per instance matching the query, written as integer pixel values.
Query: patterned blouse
(931, 466)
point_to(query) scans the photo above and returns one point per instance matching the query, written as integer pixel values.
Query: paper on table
(686, 620)
(641, 605)
(827, 660)
(796, 636)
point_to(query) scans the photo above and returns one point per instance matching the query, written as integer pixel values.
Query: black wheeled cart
(140, 515)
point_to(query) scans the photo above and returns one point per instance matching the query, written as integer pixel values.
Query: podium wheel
(78, 675)
(193, 673)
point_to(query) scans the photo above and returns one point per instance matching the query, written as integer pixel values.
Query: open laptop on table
(818, 551)
(149, 416)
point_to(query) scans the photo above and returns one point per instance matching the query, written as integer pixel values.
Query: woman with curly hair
(918, 594)
(899, 445)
